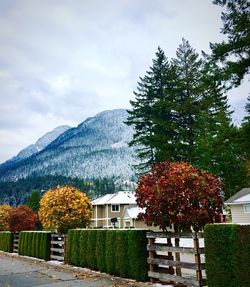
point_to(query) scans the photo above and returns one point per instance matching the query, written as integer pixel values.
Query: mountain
(95, 148)
(40, 144)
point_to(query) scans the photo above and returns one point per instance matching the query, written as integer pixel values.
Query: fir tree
(187, 99)
(236, 25)
(245, 137)
(150, 89)
(34, 200)
(186, 117)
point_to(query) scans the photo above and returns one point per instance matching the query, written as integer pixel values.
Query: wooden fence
(15, 242)
(168, 268)
(57, 247)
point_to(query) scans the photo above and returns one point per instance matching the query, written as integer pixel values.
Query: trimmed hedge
(137, 254)
(118, 252)
(101, 250)
(34, 244)
(121, 258)
(91, 250)
(75, 248)
(227, 251)
(83, 246)
(110, 247)
(6, 241)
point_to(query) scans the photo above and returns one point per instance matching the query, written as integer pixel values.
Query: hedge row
(34, 244)
(227, 251)
(117, 252)
(6, 241)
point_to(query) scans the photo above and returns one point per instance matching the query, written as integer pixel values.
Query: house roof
(102, 200)
(133, 212)
(241, 197)
(120, 197)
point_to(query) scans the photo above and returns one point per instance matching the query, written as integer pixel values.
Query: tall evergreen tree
(235, 52)
(150, 89)
(245, 137)
(34, 200)
(187, 99)
(214, 115)
(175, 104)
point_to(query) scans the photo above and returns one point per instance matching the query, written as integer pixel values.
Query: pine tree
(214, 115)
(245, 137)
(34, 200)
(176, 123)
(236, 25)
(186, 117)
(150, 89)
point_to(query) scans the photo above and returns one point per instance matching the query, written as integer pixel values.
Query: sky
(62, 61)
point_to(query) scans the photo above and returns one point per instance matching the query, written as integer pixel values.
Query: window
(115, 207)
(247, 208)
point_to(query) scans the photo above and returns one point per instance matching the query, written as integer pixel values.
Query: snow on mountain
(96, 148)
(50, 137)
(40, 144)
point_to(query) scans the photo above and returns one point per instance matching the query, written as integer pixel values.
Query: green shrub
(69, 246)
(26, 242)
(100, 250)
(83, 246)
(121, 259)
(110, 246)
(242, 255)
(47, 239)
(75, 247)
(23, 237)
(34, 244)
(137, 255)
(20, 246)
(30, 245)
(227, 251)
(37, 245)
(119, 252)
(91, 247)
(6, 241)
(42, 243)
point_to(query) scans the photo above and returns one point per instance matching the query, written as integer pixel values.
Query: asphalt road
(16, 271)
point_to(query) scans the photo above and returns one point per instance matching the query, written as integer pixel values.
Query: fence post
(57, 250)
(177, 255)
(170, 256)
(15, 242)
(197, 259)
(65, 247)
(151, 254)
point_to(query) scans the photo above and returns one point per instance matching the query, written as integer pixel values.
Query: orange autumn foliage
(4, 217)
(63, 208)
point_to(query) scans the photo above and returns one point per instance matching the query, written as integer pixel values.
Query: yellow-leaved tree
(63, 208)
(4, 217)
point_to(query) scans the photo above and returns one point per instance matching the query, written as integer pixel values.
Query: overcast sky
(62, 61)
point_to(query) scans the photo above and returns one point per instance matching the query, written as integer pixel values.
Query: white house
(112, 207)
(121, 208)
(240, 206)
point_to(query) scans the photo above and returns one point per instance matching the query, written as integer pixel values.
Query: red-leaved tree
(178, 195)
(22, 218)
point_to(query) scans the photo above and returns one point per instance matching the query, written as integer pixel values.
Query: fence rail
(15, 242)
(165, 258)
(57, 247)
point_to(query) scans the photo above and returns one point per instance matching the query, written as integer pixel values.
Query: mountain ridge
(39, 145)
(97, 147)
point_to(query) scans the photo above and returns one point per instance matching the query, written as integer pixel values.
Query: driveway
(20, 271)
